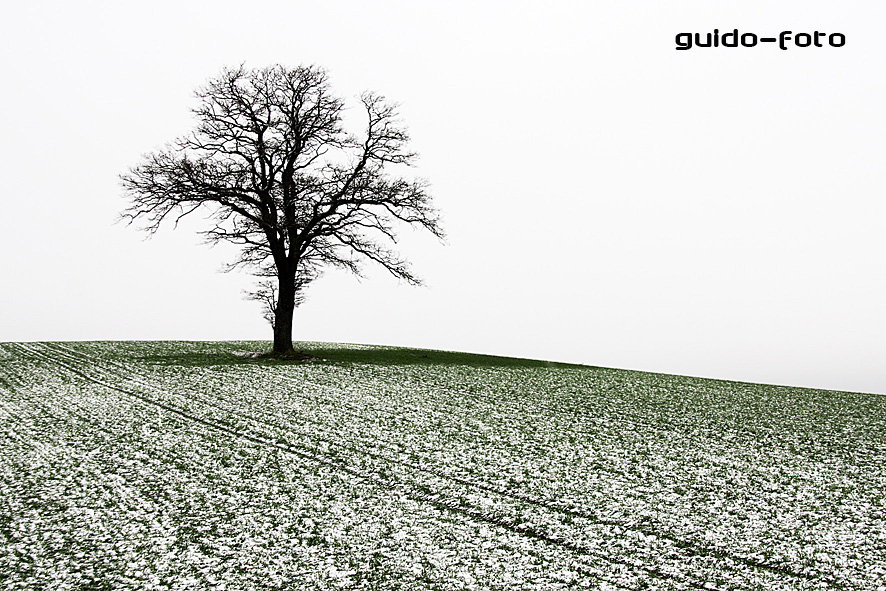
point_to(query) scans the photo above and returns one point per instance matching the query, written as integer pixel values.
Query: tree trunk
(283, 314)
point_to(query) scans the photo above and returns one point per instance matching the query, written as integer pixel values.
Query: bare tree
(270, 161)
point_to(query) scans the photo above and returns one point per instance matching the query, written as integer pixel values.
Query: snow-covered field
(186, 466)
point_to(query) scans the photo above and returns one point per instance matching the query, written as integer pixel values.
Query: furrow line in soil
(23, 419)
(649, 532)
(343, 406)
(713, 450)
(85, 461)
(691, 548)
(418, 492)
(425, 495)
(494, 405)
(718, 455)
(702, 448)
(677, 543)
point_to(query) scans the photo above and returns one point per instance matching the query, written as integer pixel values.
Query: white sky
(608, 199)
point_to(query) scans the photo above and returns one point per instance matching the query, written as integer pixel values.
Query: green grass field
(184, 465)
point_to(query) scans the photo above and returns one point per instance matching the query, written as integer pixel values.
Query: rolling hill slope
(190, 465)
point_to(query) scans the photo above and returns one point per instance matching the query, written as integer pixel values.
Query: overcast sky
(608, 200)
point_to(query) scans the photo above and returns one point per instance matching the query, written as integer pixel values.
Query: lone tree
(271, 163)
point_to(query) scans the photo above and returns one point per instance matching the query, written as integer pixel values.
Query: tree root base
(291, 355)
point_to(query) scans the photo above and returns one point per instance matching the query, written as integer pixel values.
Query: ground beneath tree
(286, 356)
(187, 464)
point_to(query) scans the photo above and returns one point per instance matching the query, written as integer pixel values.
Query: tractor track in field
(64, 416)
(155, 490)
(681, 431)
(423, 492)
(689, 547)
(702, 446)
(351, 409)
(47, 443)
(692, 549)
(417, 494)
(132, 438)
(139, 496)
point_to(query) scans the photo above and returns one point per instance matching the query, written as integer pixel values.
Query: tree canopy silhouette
(271, 162)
